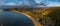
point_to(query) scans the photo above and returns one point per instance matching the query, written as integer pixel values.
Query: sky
(26, 2)
(50, 2)
(53, 3)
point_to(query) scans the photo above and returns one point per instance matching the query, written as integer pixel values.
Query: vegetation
(51, 14)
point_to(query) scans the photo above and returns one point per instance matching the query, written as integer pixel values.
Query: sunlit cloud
(10, 3)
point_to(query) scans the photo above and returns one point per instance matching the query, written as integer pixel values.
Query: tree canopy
(54, 14)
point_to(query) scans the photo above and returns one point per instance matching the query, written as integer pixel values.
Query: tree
(55, 15)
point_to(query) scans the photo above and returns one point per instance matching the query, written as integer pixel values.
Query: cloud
(10, 3)
(53, 4)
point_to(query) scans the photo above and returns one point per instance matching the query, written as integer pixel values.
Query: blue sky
(53, 3)
(15, 2)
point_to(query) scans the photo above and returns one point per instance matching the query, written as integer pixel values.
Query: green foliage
(54, 14)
